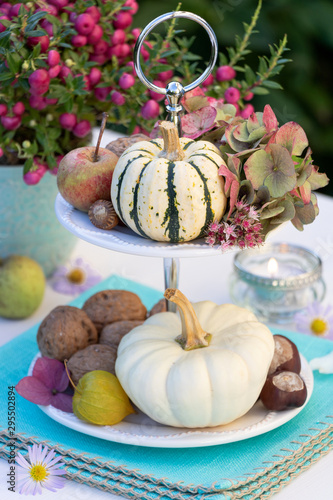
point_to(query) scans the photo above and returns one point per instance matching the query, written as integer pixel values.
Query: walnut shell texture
(160, 306)
(120, 145)
(108, 306)
(64, 331)
(93, 357)
(112, 334)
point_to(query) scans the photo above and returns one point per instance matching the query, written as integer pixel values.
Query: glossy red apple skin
(81, 181)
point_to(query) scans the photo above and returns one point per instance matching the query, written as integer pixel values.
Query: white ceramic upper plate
(140, 430)
(123, 239)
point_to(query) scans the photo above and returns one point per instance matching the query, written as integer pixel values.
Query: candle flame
(272, 267)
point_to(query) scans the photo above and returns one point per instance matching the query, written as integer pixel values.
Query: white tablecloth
(200, 278)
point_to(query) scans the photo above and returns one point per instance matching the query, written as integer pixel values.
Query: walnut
(64, 331)
(160, 306)
(120, 145)
(109, 306)
(93, 357)
(112, 334)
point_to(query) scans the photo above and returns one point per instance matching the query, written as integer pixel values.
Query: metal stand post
(171, 276)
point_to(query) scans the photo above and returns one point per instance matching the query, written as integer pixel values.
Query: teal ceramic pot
(28, 224)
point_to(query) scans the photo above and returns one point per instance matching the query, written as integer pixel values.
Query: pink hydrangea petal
(62, 402)
(52, 373)
(32, 389)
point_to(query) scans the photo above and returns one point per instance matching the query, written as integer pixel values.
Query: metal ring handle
(161, 19)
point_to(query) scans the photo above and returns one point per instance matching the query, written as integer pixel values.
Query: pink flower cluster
(244, 230)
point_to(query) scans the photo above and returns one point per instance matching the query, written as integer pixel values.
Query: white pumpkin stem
(193, 336)
(172, 149)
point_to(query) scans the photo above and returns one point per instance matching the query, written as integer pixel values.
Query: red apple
(81, 180)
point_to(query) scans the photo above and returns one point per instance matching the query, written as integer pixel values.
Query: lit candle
(272, 267)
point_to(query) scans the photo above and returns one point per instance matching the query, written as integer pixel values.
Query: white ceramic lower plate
(140, 430)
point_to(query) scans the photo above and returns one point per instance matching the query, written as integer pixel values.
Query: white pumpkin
(169, 189)
(180, 376)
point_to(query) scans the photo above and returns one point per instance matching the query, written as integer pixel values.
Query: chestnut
(282, 390)
(286, 356)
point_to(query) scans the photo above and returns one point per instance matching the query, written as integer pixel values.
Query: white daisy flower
(42, 471)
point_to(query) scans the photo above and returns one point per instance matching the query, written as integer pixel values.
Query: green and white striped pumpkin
(169, 189)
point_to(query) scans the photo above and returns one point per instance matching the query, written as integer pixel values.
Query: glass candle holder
(277, 281)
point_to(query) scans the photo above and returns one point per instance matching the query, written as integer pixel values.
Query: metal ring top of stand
(175, 90)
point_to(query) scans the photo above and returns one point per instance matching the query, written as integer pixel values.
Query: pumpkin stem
(172, 149)
(193, 336)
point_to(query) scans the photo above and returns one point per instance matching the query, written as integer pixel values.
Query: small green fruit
(100, 399)
(22, 286)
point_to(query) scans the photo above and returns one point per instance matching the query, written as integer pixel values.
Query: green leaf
(260, 91)
(36, 33)
(5, 75)
(272, 85)
(14, 62)
(250, 77)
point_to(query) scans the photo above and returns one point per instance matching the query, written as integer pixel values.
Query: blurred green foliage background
(307, 97)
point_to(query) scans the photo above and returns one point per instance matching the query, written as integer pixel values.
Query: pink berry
(84, 24)
(101, 93)
(50, 102)
(47, 26)
(120, 51)
(122, 20)
(54, 71)
(134, 6)
(53, 58)
(130, 64)
(37, 102)
(209, 81)
(39, 81)
(98, 58)
(94, 12)
(165, 75)
(2, 27)
(155, 95)
(5, 6)
(100, 47)
(94, 76)
(59, 3)
(51, 9)
(119, 36)
(150, 110)
(82, 128)
(1, 152)
(72, 17)
(248, 96)
(18, 108)
(117, 98)
(232, 95)
(14, 10)
(126, 81)
(43, 40)
(247, 111)
(79, 40)
(64, 72)
(225, 73)
(31, 178)
(41, 167)
(95, 35)
(136, 32)
(67, 120)
(3, 109)
(11, 122)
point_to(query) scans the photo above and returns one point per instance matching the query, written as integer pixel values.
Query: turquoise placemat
(249, 469)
